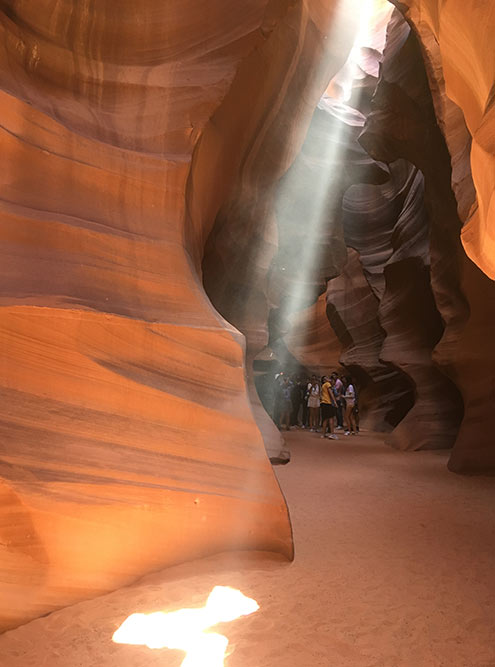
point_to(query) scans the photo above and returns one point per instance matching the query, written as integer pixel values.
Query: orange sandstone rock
(128, 440)
(462, 53)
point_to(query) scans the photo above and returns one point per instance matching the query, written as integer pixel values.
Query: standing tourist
(338, 390)
(285, 402)
(328, 409)
(350, 404)
(305, 409)
(297, 390)
(314, 403)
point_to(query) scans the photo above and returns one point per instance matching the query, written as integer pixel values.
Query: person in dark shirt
(284, 399)
(296, 399)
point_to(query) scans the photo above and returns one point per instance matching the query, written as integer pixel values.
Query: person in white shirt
(338, 390)
(350, 402)
(313, 391)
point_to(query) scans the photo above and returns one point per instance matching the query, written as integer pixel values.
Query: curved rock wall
(422, 303)
(128, 440)
(473, 369)
(462, 293)
(397, 307)
(461, 63)
(385, 394)
(311, 339)
(143, 146)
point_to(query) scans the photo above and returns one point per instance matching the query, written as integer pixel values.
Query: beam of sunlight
(185, 629)
(314, 202)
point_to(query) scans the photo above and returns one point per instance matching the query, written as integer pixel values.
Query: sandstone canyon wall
(128, 439)
(421, 301)
(399, 311)
(458, 47)
(150, 154)
(411, 301)
(463, 294)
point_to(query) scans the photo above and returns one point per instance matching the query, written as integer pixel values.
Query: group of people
(330, 402)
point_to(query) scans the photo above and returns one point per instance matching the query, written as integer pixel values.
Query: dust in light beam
(185, 629)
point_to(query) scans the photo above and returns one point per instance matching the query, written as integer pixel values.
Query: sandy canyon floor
(394, 567)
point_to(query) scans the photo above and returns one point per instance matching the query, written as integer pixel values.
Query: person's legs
(317, 419)
(355, 414)
(348, 419)
(331, 422)
(326, 417)
(294, 413)
(277, 412)
(285, 419)
(352, 418)
(304, 414)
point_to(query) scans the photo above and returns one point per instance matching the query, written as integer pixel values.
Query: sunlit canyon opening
(247, 308)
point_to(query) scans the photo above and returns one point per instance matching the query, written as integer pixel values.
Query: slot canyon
(194, 197)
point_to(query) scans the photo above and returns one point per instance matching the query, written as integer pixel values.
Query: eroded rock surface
(385, 394)
(144, 151)
(459, 49)
(128, 440)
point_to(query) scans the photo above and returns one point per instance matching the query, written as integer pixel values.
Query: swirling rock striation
(385, 394)
(425, 147)
(459, 50)
(128, 439)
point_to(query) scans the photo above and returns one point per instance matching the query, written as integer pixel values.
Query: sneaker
(339, 428)
(312, 430)
(348, 433)
(353, 433)
(332, 436)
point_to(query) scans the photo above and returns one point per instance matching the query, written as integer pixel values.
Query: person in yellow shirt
(328, 409)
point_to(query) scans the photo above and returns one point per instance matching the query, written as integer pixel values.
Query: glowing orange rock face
(185, 629)
(128, 441)
(459, 46)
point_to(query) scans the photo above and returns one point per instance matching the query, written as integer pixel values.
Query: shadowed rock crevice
(451, 55)
(385, 393)
(462, 294)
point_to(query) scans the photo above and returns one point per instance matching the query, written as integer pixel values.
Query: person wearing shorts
(328, 409)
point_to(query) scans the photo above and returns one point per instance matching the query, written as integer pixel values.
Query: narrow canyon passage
(202, 206)
(393, 568)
